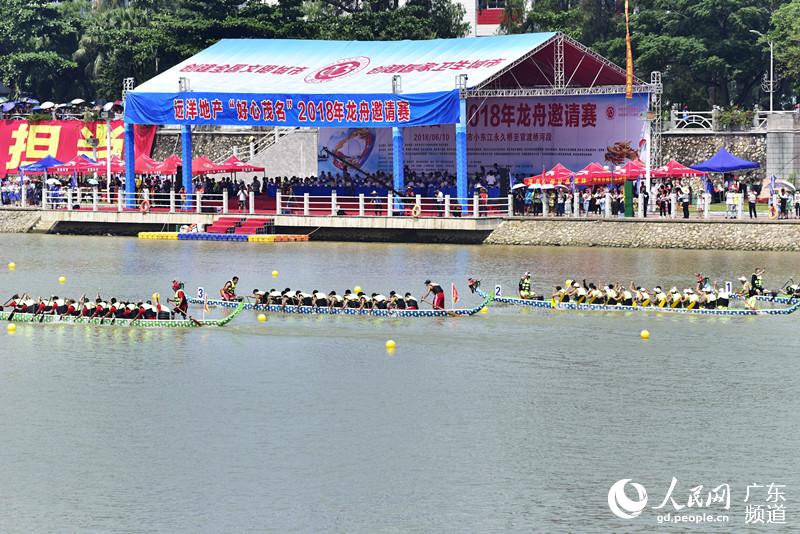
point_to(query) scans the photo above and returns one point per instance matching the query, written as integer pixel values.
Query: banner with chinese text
(23, 142)
(524, 135)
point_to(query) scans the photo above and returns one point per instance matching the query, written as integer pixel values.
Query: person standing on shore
(752, 198)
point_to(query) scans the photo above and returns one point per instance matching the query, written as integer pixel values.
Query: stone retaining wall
(18, 221)
(657, 234)
(694, 148)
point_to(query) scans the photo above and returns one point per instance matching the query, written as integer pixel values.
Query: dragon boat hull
(313, 310)
(122, 323)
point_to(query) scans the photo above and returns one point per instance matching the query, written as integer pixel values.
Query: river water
(516, 420)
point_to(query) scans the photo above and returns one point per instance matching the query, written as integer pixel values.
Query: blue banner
(348, 110)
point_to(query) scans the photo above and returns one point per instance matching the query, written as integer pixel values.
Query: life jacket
(525, 284)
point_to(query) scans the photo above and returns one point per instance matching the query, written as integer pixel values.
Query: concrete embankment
(656, 234)
(18, 221)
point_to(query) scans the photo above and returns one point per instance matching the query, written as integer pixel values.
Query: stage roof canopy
(278, 82)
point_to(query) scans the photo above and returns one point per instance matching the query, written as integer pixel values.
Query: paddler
(261, 297)
(757, 281)
(691, 299)
(675, 300)
(723, 297)
(334, 300)
(379, 301)
(180, 300)
(228, 291)
(396, 302)
(11, 303)
(709, 299)
(438, 294)
(364, 303)
(660, 298)
(318, 299)
(350, 300)
(612, 297)
(411, 302)
(525, 286)
(275, 296)
(558, 295)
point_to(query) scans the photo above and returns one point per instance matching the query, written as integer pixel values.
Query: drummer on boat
(525, 286)
(228, 291)
(180, 300)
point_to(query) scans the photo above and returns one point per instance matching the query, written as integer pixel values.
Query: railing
(710, 121)
(392, 206)
(602, 206)
(142, 201)
(251, 150)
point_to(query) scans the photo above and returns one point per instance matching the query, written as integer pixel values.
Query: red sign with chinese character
(23, 142)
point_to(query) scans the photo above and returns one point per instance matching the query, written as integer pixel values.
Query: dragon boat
(791, 306)
(122, 323)
(315, 310)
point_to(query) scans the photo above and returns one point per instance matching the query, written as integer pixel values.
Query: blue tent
(41, 165)
(724, 161)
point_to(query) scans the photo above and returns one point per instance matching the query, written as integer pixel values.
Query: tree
(786, 35)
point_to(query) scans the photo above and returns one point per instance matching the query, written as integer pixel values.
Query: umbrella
(673, 169)
(557, 174)
(203, 165)
(117, 165)
(8, 106)
(517, 186)
(76, 164)
(52, 181)
(77, 101)
(168, 166)
(234, 164)
(92, 181)
(26, 100)
(47, 105)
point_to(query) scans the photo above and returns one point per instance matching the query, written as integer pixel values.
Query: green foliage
(87, 47)
(786, 34)
(735, 118)
(58, 50)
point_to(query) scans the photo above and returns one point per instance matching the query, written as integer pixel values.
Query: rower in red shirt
(180, 301)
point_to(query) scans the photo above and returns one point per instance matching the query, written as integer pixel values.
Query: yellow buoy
(275, 274)
(12, 266)
(11, 328)
(391, 345)
(357, 290)
(156, 297)
(644, 334)
(484, 310)
(62, 279)
(262, 318)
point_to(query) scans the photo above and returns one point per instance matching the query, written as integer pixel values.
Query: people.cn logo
(610, 112)
(621, 505)
(339, 69)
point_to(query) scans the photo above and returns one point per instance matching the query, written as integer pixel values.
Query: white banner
(524, 135)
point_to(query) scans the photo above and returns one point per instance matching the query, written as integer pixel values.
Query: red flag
(454, 293)
(628, 56)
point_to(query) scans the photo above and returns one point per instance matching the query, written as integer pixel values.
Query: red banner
(23, 142)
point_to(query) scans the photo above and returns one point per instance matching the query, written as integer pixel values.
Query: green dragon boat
(123, 323)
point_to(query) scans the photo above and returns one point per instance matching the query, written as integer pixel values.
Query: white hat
(673, 290)
(743, 279)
